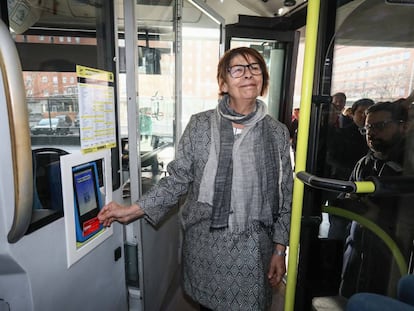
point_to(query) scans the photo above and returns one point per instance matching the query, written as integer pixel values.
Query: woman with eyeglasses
(233, 164)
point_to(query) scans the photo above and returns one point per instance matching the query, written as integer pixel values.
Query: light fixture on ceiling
(289, 3)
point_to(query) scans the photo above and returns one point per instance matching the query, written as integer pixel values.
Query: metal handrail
(377, 230)
(326, 183)
(19, 134)
(374, 185)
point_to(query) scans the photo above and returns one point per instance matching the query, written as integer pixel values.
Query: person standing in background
(348, 145)
(293, 130)
(346, 148)
(385, 131)
(337, 118)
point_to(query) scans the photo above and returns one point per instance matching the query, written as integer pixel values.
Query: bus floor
(179, 301)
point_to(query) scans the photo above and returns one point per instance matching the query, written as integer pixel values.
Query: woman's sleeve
(281, 227)
(158, 201)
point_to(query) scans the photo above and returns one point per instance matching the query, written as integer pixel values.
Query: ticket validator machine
(83, 198)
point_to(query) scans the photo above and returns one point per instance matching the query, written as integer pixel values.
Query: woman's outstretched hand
(115, 212)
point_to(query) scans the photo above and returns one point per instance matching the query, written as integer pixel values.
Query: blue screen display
(85, 191)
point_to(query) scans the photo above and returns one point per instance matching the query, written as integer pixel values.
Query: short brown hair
(224, 64)
(363, 102)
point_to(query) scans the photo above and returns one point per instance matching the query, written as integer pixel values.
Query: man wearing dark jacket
(367, 261)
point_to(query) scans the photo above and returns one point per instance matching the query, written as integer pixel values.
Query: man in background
(346, 148)
(338, 118)
(367, 261)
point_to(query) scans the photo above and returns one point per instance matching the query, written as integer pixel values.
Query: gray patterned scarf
(254, 152)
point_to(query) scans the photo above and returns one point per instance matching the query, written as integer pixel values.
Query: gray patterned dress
(222, 269)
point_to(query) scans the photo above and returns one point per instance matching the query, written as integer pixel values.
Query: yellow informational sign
(96, 109)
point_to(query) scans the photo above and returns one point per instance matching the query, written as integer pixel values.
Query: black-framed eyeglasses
(378, 126)
(238, 71)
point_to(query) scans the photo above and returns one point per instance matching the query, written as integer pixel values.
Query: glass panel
(51, 41)
(156, 89)
(52, 94)
(201, 52)
(374, 62)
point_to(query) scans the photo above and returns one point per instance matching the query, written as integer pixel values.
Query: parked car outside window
(52, 126)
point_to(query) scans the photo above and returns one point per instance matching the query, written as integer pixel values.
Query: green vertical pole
(302, 147)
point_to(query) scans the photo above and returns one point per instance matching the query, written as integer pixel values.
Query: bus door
(147, 116)
(43, 120)
(357, 229)
(279, 47)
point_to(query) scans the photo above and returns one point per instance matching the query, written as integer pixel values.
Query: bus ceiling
(80, 16)
(365, 14)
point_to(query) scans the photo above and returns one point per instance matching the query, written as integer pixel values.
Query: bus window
(201, 52)
(376, 66)
(51, 41)
(156, 101)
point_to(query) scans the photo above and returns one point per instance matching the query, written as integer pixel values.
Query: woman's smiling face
(246, 87)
